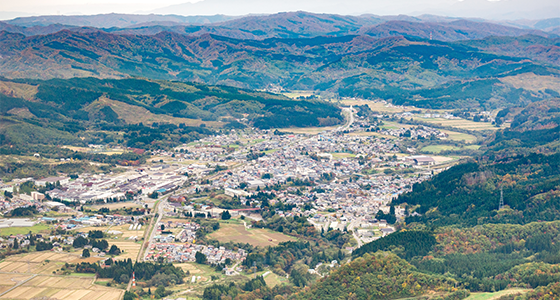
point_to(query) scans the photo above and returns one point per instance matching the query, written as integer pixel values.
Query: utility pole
(501, 198)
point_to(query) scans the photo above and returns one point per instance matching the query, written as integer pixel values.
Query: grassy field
(439, 148)
(458, 136)
(273, 280)
(257, 237)
(343, 155)
(24, 230)
(496, 295)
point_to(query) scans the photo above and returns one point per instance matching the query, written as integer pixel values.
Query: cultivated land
(24, 230)
(33, 275)
(439, 148)
(462, 123)
(257, 237)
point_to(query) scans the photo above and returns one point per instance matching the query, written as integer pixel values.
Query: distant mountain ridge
(282, 25)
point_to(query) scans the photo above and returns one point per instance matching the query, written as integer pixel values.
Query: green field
(496, 295)
(439, 148)
(23, 230)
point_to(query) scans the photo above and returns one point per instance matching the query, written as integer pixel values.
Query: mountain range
(426, 61)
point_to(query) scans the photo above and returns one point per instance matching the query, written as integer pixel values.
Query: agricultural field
(438, 148)
(257, 237)
(62, 287)
(30, 276)
(462, 124)
(24, 230)
(459, 136)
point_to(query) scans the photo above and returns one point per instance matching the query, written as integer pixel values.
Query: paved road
(162, 203)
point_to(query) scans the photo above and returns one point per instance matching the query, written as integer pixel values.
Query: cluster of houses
(178, 252)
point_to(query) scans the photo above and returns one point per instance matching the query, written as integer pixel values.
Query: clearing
(496, 295)
(257, 237)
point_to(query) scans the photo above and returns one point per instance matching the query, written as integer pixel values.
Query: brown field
(257, 237)
(63, 287)
(38, 281)
(130, 248)
(36, 262)
(18, 90)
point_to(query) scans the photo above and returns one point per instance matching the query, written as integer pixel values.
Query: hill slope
(408, 71)
(73, 111)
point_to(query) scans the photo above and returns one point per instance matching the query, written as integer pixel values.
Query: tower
(133, 280)
(501, 199)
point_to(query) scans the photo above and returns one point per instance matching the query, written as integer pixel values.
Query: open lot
(257, 237)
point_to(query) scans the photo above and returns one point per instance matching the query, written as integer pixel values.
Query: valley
(293, 155)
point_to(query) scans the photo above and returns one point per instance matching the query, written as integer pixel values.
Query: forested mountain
(298, 24)
(152, 113)
(406, 70)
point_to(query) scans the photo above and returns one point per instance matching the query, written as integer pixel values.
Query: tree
(114, 250)
(85, 253)
(200, 258)
(162, 227)
(226, 215)
(15, 246)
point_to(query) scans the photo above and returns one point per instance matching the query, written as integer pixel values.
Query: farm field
(24, 230)
(257, 237)
(438, 148)
(343, 155)
(459, 136)
(463, 124)
(33, 275)
(62, 287)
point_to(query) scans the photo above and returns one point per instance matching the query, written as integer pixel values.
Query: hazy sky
(497, 9)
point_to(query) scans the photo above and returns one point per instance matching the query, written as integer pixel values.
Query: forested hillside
(151, 114)
(406, 70)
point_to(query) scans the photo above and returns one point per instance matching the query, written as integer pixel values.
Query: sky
(490, 9)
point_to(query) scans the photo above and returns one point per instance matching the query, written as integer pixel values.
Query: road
(160, 211)
(350, 120)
